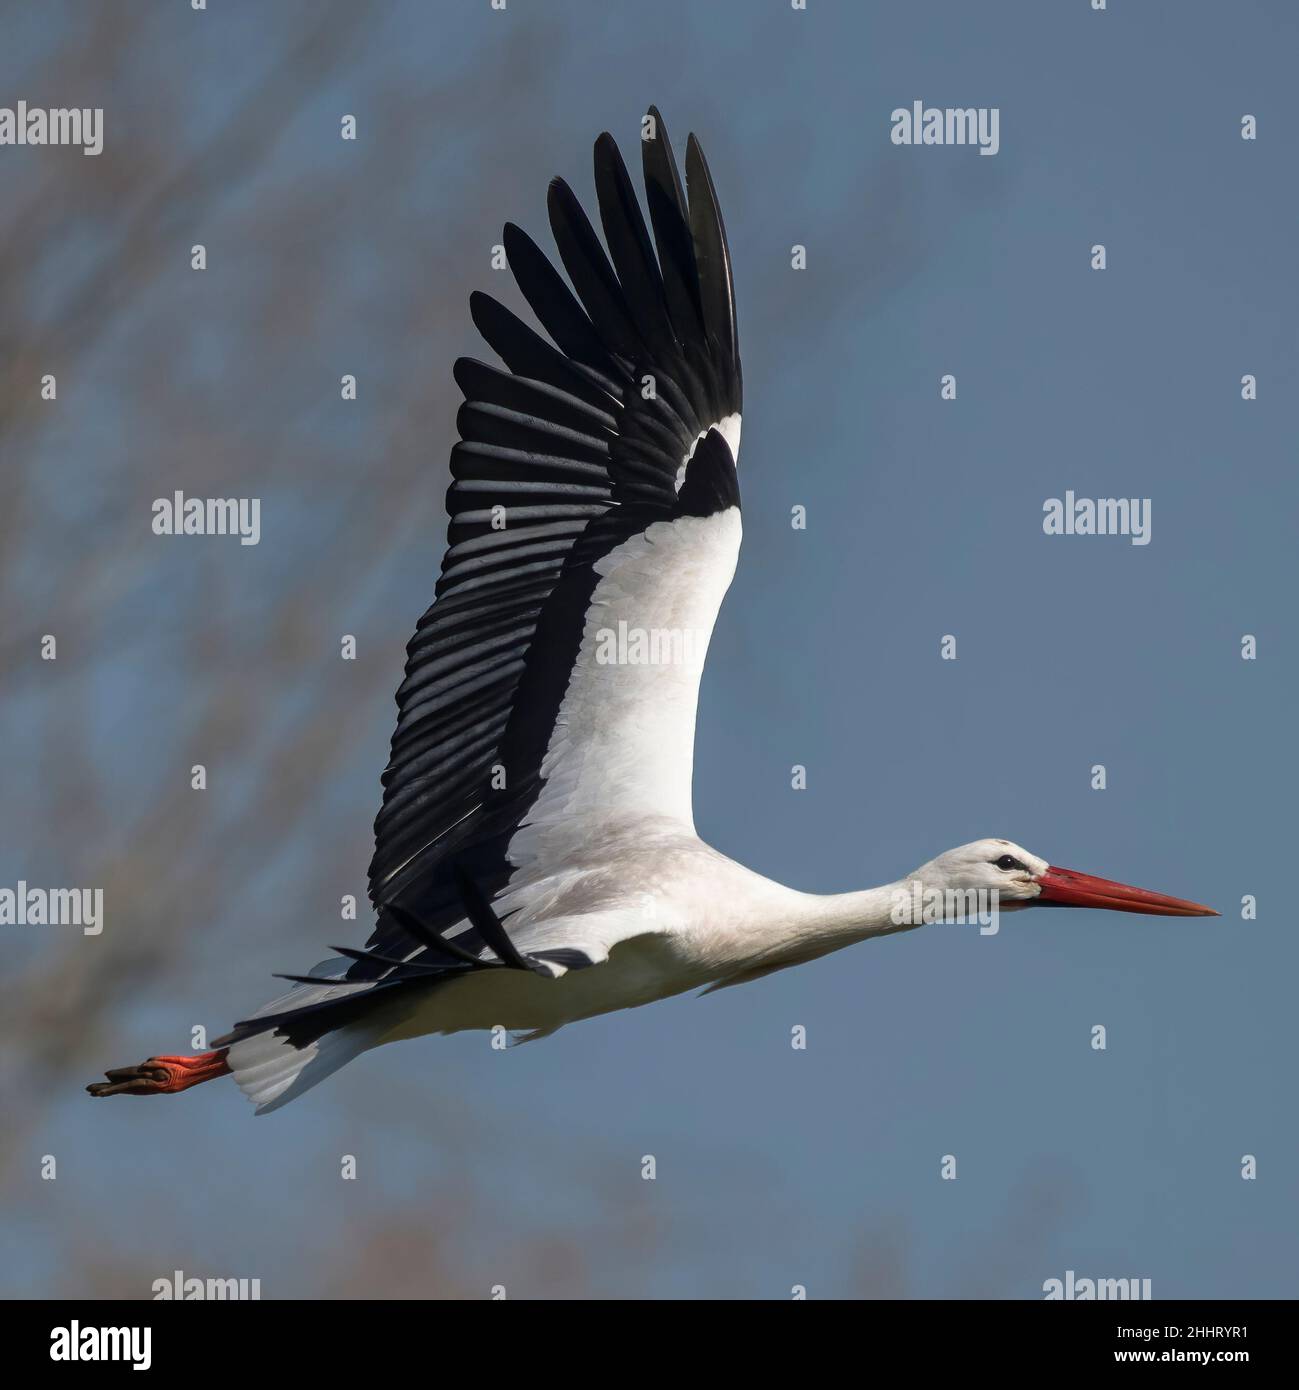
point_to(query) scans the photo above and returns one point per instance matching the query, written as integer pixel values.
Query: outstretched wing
(551, 687)
(594, 529)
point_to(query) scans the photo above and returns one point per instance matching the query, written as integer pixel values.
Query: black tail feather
(306, 1024)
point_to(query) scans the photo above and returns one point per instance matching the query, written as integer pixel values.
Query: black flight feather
(670, 218)
(589, 270)
(483, 917)
(629, 246)
(712, 255)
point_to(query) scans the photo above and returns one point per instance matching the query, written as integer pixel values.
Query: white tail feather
(270, 1071)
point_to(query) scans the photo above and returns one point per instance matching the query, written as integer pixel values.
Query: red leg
(162, 1076)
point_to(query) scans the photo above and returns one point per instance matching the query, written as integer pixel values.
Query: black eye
(1008, 861)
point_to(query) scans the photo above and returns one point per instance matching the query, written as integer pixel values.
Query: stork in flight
(535, 859)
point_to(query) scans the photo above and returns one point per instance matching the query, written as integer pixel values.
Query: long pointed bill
(1068, 888)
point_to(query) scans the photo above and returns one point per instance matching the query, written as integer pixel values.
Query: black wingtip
(712, 253)
(627, 237)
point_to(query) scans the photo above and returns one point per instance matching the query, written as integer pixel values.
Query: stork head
(1023, 879)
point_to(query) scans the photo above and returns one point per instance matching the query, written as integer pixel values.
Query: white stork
(535, 859)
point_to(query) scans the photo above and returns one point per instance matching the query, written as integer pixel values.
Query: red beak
(1067, 888)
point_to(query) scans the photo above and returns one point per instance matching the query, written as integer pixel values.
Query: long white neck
(750, 925)
(842, 918)
(797, 927)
